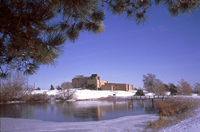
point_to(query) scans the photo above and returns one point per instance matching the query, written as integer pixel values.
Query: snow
(89, 94)
(122, 124)
(82, 94)
(191, 124)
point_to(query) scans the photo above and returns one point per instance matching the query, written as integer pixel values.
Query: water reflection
(77, 111)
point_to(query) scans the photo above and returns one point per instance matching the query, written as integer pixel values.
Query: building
(84, 81)
(80, 81)
(117, 86)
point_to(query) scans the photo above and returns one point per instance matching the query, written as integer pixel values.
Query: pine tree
(31, 35)
(38, 88)
(52, 87)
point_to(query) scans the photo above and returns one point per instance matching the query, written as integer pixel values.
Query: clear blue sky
(166, 46)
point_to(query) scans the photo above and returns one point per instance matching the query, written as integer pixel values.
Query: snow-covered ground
(90, 94)
(81, 94)
(122, 124)
(191, 124)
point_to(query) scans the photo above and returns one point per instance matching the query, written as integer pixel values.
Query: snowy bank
(191, 124)
(90, 94)
(122, 124)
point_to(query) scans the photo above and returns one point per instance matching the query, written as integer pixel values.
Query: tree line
(17, 88)
(154, 85)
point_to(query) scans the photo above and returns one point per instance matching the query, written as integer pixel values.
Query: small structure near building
(117, 86)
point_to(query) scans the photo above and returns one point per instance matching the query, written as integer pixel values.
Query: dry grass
(173, 111)
(35, 97)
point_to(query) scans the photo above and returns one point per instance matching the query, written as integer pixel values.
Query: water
(77, 111)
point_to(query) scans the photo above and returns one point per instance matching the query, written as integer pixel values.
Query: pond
(77, 111)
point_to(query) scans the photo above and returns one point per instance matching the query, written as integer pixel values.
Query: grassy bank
(173, 111)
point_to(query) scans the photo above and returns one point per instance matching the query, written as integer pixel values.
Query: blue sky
(166, 46)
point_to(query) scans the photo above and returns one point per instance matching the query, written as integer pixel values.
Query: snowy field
(91, 94)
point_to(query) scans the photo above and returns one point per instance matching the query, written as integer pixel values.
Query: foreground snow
(189, 125)
(122, 124)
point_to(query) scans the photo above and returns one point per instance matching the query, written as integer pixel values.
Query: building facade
(81, 81)
(117, 86)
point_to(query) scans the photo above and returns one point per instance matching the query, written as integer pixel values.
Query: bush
(174, 106)
(38, 88)
(177, 108)
(3, 98)
(91, 87)
(197, 88)
(160, 122)
(35, 97)
(139, 93)
(66, 94)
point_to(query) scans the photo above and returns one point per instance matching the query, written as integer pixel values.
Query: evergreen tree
(38, 88)
(197, 88)
(58, 88)
(172, 89)
(139, 93)
(30, 34)
(92, 87)
(52, 88)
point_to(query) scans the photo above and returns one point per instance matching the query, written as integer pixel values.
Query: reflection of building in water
(94, 112)
(80, 81)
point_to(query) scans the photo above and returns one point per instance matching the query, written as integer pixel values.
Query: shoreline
(121, 124)
(191, 124)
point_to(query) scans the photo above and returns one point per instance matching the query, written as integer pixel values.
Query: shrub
(139, 93)
(3, 98)
(38, 88)
(177, 108)
(197, 88)
(173, 106)
(91, 87)
(35, 97)
(58, 88)
(66, 94)
(160, 122)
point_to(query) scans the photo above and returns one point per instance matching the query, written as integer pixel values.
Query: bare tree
(66, 85)
(184, 88)
(197, 88)
(151, 84)
(160, 88)
(66, 92)
(14, 88)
